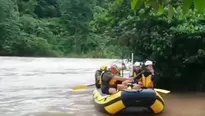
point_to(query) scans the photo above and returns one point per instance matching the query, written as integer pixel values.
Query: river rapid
(42, 87)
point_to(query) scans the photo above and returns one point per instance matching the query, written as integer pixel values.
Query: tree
(159, 5)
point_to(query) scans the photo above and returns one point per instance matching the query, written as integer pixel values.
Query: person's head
(114, 69)
(103, 67)
(149, 65)
(137, 66)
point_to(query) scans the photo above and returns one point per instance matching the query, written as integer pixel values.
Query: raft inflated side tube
(158, 105)
(108, 103)
(113, 104)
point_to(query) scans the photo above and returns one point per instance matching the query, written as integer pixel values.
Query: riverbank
(71, 55)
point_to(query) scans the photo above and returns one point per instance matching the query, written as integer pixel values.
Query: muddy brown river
(42, 87)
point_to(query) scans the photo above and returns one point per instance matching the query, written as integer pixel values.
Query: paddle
(162, 91)
(122, 66)
(86, 86)
(82, 86)
(132, 61)
(156, 89)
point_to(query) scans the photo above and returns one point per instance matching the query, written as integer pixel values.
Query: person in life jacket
(120, 67)
(98, 75)
(111, 80)
(136, 70)
(148, 77)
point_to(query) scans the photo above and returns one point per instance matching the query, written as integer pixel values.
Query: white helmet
(137, 64)
(148, 62)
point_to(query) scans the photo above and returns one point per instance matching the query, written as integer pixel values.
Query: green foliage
(158, 5)
(49, 28)
(186, 5)
(175, 42)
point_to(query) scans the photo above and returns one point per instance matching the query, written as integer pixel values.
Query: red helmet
(114, 69)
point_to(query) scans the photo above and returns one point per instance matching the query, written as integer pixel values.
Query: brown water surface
(42, 87)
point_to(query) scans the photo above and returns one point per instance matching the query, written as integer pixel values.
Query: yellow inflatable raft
(112, 104)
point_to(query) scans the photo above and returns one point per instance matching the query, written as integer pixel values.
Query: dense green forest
(56, 28)
(173, 35)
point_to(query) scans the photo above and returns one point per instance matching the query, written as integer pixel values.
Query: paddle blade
(79, 87)
(162, 91)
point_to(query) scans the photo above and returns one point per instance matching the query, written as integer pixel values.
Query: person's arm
(109, 75)
(119, 78)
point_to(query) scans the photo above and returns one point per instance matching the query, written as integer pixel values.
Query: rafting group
(110, 81)
(114, 93)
